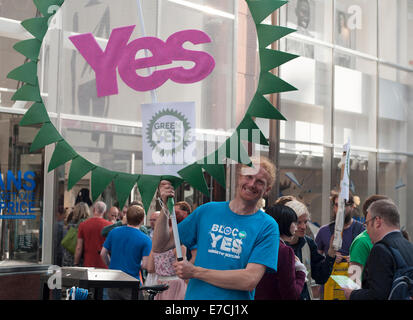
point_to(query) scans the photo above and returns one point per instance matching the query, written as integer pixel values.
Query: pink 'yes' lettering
(121, 55)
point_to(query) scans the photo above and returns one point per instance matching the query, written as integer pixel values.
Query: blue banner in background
(17, 196)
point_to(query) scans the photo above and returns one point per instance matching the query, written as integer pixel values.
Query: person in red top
(90, 240)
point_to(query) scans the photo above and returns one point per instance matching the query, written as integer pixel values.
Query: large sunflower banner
(86, 68)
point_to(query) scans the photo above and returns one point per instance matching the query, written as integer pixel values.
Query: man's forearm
(104, 254)
(78, 255)
(161, 240)
(241, 279)
(144, 263)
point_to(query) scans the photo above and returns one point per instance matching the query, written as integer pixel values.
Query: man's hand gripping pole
(171, 207)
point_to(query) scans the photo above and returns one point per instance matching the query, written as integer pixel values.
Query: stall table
(91, 278)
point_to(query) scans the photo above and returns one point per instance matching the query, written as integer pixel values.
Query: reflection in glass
(396, 31)
(301, 175)
(299, 14)
(308, 109)
(356, 25)
(355, 103)
(395, 109)
(311, 18)
(394, 181)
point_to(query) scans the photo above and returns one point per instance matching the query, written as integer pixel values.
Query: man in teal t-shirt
(226, 240)
(236, 242)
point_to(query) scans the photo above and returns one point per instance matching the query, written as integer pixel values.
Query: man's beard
(347, 217)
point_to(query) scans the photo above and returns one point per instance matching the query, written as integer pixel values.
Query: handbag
(70, 239)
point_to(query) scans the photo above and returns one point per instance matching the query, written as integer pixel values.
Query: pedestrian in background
(361, 246)
(288, 282)
(89, 238)
(126, 248)
(319, 267)
(383, 227)
(79, 213)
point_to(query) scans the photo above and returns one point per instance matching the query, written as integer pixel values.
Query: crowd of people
(236, 250)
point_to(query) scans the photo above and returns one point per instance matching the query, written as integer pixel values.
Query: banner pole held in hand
(171, 207)
(171, 202)
(342, 197)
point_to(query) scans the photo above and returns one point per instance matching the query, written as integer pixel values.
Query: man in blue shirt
(127, 249)
(235, 240)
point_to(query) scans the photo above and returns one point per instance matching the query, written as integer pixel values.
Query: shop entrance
(21, 208)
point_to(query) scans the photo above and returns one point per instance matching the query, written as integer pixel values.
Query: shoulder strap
(306, 255)
(398, 258)
(306, 259)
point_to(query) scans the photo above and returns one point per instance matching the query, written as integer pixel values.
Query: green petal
(27, 92)
(124, 183)
(63, 153)
(29, 48)
(194, 175)
(101, 177)
(46, 135)
(78, 169)
(147, 185)
(25, 73)
(260, 9)
(34, 115)
(36, 26)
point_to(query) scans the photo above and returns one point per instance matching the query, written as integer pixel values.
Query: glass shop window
(21, 194)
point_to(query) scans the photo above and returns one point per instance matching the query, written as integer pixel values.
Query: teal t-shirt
(228, 241)
(360, 248)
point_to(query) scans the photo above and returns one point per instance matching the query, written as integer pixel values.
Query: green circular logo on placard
(242, 234)
(167, 132)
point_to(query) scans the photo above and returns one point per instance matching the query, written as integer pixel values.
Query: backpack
(402, 286)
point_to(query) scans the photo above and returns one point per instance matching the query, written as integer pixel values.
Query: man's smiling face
(253, 183)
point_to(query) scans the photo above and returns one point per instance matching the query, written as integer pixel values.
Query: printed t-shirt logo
(242, 235)
(226, 241)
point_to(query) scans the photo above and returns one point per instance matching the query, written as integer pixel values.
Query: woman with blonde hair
(319, 267)
(79, 213)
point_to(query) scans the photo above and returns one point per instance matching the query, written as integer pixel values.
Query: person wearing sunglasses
(351, 229)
